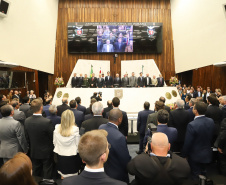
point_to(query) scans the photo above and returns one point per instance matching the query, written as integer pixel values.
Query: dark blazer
(179, 119)
(141, 82)
(223, 112)
(186, 106)
(167, 108)
(88, 116)
(16, 96)
(107, 109)
(123, 127)
(80, 81)
(169, 131)
(109, 82)
(93, 123)
(197, 144)
(100, 82)
(93, 81)
(54, 119)
(146, 170)
(81, 108)
(39, 134)
(62, 108)
(191, 114)
(125, 82)
(88, 110)
(159, 82)
(117, 81)
(79, 117)
(24, 107)
(74, 81)
(119, 156)
(91, 178)
(121, 48)
(145, 81)
(195, 94)
(46, 109)
(142, 120)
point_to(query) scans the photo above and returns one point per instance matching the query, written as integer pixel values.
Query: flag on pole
(91, 71)
(100, 70)
(142, 68)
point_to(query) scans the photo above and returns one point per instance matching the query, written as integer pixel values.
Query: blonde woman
(65, 139)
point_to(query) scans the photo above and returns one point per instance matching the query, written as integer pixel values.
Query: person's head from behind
(188, 98)
(115, 116)
(7, 110)
(78, 100)
(17, 171)
(146, 105)
(109, 103)
(67, 122)
(36, 106)
(15, 104)
(199, 108)
(64, 101)
(162, 99)
(212, 100)
(53, 109)
(115, 102)
(93, 148)
(192, 102)
(97, 108)
(26, 99)
(159, 105)
(48, 101)
(162, 116)
(73, 104)
(180, 104)
(160, 144)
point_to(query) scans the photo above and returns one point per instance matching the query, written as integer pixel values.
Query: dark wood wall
(112, 11)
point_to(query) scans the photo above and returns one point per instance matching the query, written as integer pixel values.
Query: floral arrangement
(173, 80)
(59, 81)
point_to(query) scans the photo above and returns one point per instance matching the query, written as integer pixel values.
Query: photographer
(158, 165)
(97, 96)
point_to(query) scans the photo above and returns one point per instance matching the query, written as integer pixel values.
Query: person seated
(94, 150)
(65, 139)
(158, 165)
(17, 171)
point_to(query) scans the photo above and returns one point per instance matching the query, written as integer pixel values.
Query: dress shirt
(94, 170)
(37, 114)
(198, 116)
(152, 154)
(113, 124)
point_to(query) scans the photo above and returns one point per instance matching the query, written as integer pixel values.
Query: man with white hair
(53, 115)
(179, 119)
(158, 165)
(96, 121)
(63, 107)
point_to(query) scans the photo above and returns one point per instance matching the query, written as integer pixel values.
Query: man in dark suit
(93, 81)
(190, 110)
(80, 107)
(53, 115)
(25, 106)
(141, 124)
(125, 81)
(18, 115)
(12, 137)
(108, 108)
(160, 80)
(80, 81)
(187, 100)
(192, 93)
(123, 127)
(223, 103)
(198, 92)
(119, 46)
(147, 80)
(119, 156)
(162, 99)
(46, 107)
(141, 80)
(16, 95)
(39, 133)
(88, 109)
(94, 150)
(74, 81)
(179, 119)
(100, 82)
(63, 107)
(79, 116)
(96, 121)
(158, 166)
(117, 81)
(197, 145)
(108, 80)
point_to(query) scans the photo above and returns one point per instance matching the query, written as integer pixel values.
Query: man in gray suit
(133, 80)
(18, 115)
(108, 47)
(125, 80)
(25, 106)
(12, 138)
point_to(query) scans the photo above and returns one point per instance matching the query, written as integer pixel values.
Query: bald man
(158, 165)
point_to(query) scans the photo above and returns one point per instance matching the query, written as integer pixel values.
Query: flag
(100, 70)
(91, 71)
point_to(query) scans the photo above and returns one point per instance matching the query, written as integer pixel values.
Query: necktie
(92, 79)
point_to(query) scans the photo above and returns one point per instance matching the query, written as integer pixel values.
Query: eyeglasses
(109, 146)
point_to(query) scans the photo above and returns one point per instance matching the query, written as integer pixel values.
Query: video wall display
(114, 37)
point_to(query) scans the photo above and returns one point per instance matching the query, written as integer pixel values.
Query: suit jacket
(107, 109)
(146, 170)
(160, 84)
(119, 156)
(91, 178)
(86, 82)
(152, 118)
(117, 81)
(186, 106)
(100, 82)
(195, 94)
(140, 82)
(54, 119)
(109, 82)
(167, 108)
(79, 117)
(19, 116)
(169, 131)
(88, 110)
(12, 138)
(62, 108)
(133, 81)
(142, 120)
(93, 81)
(24, 107)
(93, 123)
(74, 81)
(39, 135)
(125, 82)
(223, 112)
(16, 96)
(88, 116)
(46, 109)
(123, 127)
(179, 119)
(145, 81)
(191, 114)
(81, 108)
(120, 47)
(197, 145)
(104, 49)
(80, 81)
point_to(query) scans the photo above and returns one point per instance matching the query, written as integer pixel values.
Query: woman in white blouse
(32, 96)
(65, 139)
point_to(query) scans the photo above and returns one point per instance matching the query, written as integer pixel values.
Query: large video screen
(114, 37)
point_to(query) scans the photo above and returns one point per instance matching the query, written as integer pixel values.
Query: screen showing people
(114, 38)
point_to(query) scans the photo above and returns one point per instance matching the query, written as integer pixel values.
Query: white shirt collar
(97, 115)
(93, 170)
(152, 154)
(113, 124)
(37, 114)
(198, 116)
